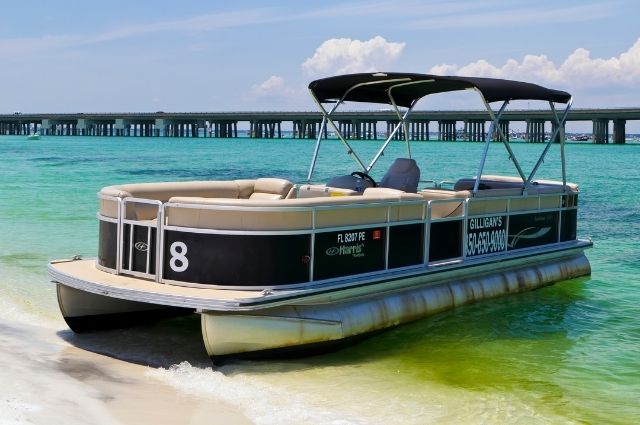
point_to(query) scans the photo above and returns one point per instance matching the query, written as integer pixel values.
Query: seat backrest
(269, 188)
(403, 174)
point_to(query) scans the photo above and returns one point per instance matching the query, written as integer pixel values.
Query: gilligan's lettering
(485, 223)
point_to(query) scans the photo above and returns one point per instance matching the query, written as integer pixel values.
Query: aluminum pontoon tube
(286, 327)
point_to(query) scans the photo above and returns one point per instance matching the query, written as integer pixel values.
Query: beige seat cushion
(493, 182)
(264, 188)
(447, 204)
(261, 195)
(321, 190)
(163, 191)
(348, 211)
(386, 193)
(270, 188)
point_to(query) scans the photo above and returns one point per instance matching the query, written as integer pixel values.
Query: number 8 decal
(178, 255)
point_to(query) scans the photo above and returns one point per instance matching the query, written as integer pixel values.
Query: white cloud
(579, 69)
(194, 24)
(201, 23)
(272, 86)
(344, 55)
(506, 14)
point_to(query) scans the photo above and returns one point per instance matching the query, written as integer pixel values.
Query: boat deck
(83, 275)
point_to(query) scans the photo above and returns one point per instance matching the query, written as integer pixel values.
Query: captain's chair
(403, 174)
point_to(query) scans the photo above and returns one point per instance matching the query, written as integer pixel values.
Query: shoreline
(53, 381)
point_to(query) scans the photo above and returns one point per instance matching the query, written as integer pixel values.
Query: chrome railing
(154, 254)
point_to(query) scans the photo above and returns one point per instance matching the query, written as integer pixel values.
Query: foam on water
(345, 395)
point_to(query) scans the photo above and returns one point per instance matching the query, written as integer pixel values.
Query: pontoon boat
(273, 266)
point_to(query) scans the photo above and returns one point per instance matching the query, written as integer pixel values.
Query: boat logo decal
(528, 233)
(355, 250)
(141, 246)
(332, 251)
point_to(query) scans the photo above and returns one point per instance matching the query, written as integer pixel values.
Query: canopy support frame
(560, 122)
(326, 116)
(495, 119)
(403, 122)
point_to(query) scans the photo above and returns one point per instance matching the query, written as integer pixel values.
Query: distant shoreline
(630, 139)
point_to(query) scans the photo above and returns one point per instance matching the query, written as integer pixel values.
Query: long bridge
(353, 125)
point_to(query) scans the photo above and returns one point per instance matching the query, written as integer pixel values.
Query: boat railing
(141, 251)
(314, 228)
(446, 184)
(558, 203)
(434, 184)
(134, 237)
(149, 232)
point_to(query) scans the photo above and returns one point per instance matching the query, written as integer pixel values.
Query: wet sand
(45, 379)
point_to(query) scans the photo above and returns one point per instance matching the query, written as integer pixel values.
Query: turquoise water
(569, 353)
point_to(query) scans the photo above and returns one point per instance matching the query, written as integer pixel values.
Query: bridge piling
(600, 131)
(619, 131)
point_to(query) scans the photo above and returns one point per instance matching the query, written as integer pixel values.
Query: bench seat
(294, 214)
(262, 188)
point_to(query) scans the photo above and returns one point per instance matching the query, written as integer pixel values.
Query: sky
(145, 56)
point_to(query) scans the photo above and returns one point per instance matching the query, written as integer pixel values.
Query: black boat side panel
(349, 252)
(527, 230)
(236, 260)
(568, 231)
(406, 245)
(108, 245)
(445, 240)
(272, 260)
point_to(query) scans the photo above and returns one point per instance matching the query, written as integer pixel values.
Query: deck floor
(83, 274)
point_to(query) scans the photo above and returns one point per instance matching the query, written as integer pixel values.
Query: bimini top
(407, 88)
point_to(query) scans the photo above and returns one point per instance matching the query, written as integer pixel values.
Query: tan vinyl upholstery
(232, 189)
(245, 189)
(291, 214)
(492, 186)
(269, 188)
(490, 182)
(273, 204)
(446, 203)
(319, 190)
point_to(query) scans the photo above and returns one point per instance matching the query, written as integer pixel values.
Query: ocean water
(568, 353)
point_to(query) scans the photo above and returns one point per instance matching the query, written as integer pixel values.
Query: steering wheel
(365, 176)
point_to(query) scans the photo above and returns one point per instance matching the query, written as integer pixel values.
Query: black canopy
(493, 89)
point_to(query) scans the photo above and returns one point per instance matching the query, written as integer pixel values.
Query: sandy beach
(45, 379)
